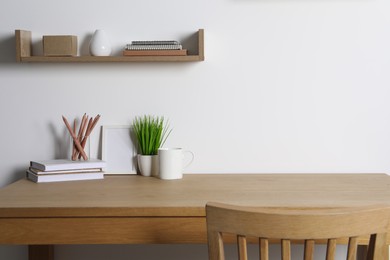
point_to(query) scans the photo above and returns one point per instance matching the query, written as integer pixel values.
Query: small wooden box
(59, 45)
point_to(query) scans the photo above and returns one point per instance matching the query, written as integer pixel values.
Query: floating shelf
(24, 53)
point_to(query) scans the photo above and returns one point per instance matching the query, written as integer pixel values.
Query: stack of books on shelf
(65, 170)
(154, 48)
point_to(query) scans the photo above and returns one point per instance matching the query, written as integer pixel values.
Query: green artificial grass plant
(151, 133)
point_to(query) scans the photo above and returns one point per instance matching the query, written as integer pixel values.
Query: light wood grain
(286, 249)
(136, 209)
(331, 250)
(23, 53)
(90, 59)
(40, 231)
(352, 249)
(139, 196)
(201, 44)
(242, 248)
(309, 249)
(264, 248)
(23, 44)
(302, 224)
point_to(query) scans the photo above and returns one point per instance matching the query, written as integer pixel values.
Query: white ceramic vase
(100, 44)
(148, 165)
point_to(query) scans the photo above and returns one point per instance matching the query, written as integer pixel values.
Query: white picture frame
(118, 150)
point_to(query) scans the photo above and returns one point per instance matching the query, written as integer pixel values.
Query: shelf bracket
(23, 44)
(201, 44)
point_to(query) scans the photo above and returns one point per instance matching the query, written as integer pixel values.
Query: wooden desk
(135, 209)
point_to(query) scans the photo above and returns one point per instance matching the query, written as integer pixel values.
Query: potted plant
(151, 132)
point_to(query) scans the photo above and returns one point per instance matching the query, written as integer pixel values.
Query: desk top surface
(147, 196)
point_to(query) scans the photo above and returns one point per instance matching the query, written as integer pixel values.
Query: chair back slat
(263, 248)
(377, 248)
(352, 248)
(286, 249)
(331, 249)
(309, 249)
(215, 244)
(309, 225)
(242, 250)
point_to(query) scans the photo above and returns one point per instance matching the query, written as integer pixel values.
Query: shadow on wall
(84, 45)
(62, 142)
(17, 174)
(190, 43)
(7, 49)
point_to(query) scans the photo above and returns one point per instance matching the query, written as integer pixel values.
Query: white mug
(171, 163)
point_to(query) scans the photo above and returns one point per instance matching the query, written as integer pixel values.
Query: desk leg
(41, 252)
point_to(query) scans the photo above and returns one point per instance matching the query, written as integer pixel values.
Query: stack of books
(154, 48)
(65, 170)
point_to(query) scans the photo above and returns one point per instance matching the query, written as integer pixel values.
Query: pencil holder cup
(74, 149)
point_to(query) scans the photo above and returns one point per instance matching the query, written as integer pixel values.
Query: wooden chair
(308, 225)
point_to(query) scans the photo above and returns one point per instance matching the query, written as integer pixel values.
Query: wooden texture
(309, 249)
(136, 209)
(242, 248)
(123, 196)
(331, 250)
(23, 53)
(137, 230)
(23, 44)
(286, 249)
(264, 248)
(201, 44)
(352, 249)
(300, 224)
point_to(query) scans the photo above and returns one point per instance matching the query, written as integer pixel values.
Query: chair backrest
(308, 225)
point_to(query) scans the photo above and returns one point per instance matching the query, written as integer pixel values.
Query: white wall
(287, 85)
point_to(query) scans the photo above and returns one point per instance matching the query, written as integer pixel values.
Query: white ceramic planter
(148, 165)
(100, 44)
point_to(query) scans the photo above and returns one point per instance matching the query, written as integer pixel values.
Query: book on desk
(65, 170)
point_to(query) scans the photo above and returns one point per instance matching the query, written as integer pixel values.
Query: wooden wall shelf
(24, 53)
